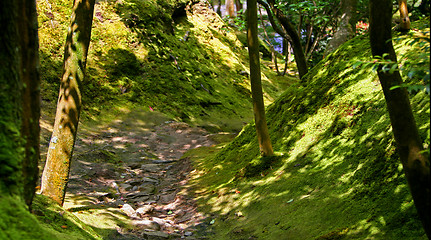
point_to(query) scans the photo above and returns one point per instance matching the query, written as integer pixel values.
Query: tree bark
(346, 26)
(256, 82)
(295, 39)
(56, 172)
(11, 142)
(31, 96)
(404, 25)
(230, 8)
(415, 162)
(19, 99)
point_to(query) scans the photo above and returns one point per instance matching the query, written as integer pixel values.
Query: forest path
(126, 176)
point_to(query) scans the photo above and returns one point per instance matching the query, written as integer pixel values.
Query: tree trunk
(19, 99)
(298, 51)
(11, 142)
(255, 79)
(238, 5)
(31, 97)
(346, 26)
(414, 160)
(230, 8)
(288, 33)
(404, 16)
(56, 172)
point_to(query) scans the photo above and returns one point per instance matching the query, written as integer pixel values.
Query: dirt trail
(126, 177)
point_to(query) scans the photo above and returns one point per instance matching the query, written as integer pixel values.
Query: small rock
(137, 197)
(162, 161)
(133, 182)
(125, 186)
(188, 234)
(149, 180)
(135, 188)
(151, 167)
(101, 196)
(134, 165)
(157, 235)
(167, 198)
(144, 210)
(146, 188)
(128, 210)
(147, 224)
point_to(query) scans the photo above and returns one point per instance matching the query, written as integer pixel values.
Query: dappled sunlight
(338, 169)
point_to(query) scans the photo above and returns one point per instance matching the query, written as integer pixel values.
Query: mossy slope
(48, 221)
(171, 56)
(336, 174)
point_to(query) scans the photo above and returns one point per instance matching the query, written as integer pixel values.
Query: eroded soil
(126, 177)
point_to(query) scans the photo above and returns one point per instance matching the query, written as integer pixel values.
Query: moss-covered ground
(336, 173)
(169, 56)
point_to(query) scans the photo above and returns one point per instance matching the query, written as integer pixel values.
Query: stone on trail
(146, 188)
(151, 167)
(156, 235)
(144, 210)
(149, 180)
(147, 224)
(137, 197)
(128, 210)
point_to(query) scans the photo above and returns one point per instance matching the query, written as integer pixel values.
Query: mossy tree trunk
(346, 26)
(19, 99)
(255, 79)
(414, 160)
(56, 172)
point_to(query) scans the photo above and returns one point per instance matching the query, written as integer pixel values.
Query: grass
(336, 174)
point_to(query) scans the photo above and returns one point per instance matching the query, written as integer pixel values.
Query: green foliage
(414, 65)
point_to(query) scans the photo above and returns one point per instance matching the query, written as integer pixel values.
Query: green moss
(49, 222)
(338, 175)
(138, 53)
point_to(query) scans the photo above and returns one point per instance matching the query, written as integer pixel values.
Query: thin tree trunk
(230, 8)
(415, 162)
(268, 41)
(238, 5)
(289, 33)
(298, 51)
(56, 172)
(256, 82)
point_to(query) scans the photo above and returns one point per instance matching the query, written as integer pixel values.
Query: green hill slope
(172, 56)
(336, 174)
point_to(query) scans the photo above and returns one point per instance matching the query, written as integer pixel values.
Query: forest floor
(127, 173)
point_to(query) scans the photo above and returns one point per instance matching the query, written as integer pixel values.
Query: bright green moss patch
(337, 174)
(48, 221)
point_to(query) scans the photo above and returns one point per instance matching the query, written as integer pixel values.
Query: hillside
(163, 149)
(174, 57)
(336, 174)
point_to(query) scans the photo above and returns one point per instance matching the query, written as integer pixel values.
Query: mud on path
(126, 177)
